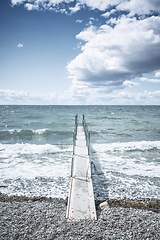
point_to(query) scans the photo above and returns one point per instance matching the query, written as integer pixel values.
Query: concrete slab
(81, 200)
(81, 151)
(80, 143)
(81, 166)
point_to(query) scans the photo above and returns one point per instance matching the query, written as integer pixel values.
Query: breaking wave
(128, 146)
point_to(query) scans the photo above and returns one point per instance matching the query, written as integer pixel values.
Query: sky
(80, 52)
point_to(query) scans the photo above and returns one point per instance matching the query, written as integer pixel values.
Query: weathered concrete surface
(81, 201)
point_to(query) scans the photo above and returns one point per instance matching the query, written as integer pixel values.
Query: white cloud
(107, 14)
(79, 21)
(76, 8)
(130, 84)
(20, 45)
(155, 94)
(13, 95)
(100, 4)
(14, 2)
(139, 98)
(140, 7)
(117, 54)
(126, 95)
(30, 6)
(133, 6)
(84, 93)
(150, 80)
(8, 96)
(157, 74)
(80, 93)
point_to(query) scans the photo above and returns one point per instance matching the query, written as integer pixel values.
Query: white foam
(14, 130)
(6, 150)
(128, 170)
(30, 160)
(24, 165)
(40, 131)
(125, 168)
(124, 164)
(127, 146)
(37, 131)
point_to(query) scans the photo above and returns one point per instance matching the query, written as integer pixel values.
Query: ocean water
(36, 150)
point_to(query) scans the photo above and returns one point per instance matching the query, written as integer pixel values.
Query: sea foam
(127, 146)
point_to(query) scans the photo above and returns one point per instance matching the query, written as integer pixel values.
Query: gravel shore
(46, 219)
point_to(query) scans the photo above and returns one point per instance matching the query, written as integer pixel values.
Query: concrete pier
(81, 203)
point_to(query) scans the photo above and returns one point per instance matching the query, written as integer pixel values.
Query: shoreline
(144, 204)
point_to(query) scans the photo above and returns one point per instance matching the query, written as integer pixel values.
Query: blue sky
(80, 52)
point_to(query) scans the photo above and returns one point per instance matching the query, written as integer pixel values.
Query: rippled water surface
(36, 150)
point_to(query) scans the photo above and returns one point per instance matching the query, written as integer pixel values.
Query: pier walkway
(81, 203)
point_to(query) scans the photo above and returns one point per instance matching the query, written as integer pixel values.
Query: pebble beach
(45, 218)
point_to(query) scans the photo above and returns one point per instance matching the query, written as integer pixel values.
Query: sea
(36, 148)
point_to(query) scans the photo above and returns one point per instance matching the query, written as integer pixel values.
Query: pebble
(104, 206)
(47, 220)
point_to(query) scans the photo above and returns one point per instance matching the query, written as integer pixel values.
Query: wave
(41, 131)
(31, 132)
(23, 166)
(127, 146)
(6, 150)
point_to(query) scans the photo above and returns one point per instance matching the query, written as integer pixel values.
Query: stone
(103, 206)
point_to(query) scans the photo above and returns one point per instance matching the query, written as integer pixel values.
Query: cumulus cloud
(14, 2)
(140, 98)
(150, 80)
(76, 8)
(157, 75)
(107, 14)
(155, 94)
(133, 6)
(126, 95)
(85, 94)
(81, 95)
(20, 45)
(30, 6)
(57, 5)
(130, 84)
(116, 54)
(139, 7)
(11, 95)
(8, 96)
